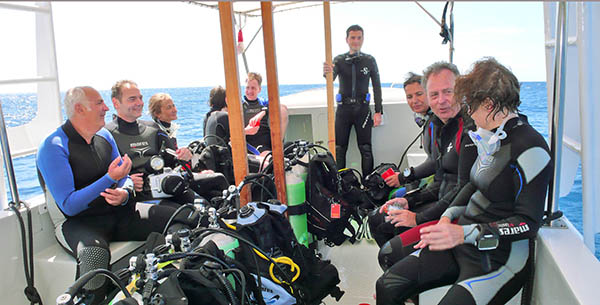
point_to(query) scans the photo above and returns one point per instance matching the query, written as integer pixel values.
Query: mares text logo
(514, 230)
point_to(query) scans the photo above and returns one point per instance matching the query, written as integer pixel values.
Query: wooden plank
(329, 77)
(234, 106)
(274, 106)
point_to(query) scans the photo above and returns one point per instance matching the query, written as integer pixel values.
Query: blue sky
(175, 44)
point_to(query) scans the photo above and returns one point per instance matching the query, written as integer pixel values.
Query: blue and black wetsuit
(355, 72)
(505, 196)
(75, 173)
(262, 139)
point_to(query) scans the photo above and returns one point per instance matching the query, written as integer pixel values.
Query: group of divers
(474, 221)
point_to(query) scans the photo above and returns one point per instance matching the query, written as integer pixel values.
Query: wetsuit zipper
(353, 81)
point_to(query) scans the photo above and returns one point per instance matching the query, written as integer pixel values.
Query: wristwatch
(487, 239)
(408, 174)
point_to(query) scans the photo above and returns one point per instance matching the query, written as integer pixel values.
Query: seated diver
(142, 140)
(452, 154)
(79, 164)
(422, 198)
(164, 113)
(216, 126)
(256, 115)
(485, 257)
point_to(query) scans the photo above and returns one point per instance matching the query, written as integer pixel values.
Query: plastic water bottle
(296, 195)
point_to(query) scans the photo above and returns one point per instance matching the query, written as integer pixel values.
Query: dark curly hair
(488, 79)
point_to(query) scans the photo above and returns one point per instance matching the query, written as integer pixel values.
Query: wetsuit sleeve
(223, 128)
(428, 194)
(53, 163)
(336, 68)
(425, 169)
(532, 174)
(467, 156)
(459, 204)
(375, 81)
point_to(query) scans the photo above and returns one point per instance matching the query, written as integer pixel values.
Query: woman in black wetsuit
(485, 257)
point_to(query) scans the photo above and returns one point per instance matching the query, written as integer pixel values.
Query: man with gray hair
(452, 153)
(80, 166)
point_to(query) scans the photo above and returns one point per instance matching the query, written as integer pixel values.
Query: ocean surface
(192, 106)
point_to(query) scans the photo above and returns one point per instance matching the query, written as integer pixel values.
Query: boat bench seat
(57, 269)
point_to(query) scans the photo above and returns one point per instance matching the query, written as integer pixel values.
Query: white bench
(56, 269)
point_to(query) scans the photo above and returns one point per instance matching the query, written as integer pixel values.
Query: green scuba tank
(223, 241)
(296, 196)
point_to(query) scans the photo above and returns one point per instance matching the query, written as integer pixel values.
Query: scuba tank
(296, 196)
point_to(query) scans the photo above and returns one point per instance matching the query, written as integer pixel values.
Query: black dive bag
(329, 214)
(265, 225)
(375, 185)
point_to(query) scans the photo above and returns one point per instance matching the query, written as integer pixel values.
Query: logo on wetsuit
(364, 70)
(512, 230)
(140, 147)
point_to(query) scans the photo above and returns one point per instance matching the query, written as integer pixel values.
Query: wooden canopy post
(273, 92)
(234, 106)
(329, 77)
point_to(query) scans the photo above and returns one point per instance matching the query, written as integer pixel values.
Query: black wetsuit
(506, 196)
(217, 124)
(451, 155)
(75, 173)
(262, 139)
(353, 108)
(141, 140)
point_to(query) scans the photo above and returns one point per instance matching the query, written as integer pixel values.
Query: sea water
(192, 105)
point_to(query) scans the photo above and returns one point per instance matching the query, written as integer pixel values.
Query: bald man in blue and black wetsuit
(81, 167)
(355, 70)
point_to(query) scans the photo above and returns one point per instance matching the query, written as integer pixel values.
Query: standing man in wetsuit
(80, 166)
(256, 115)
(355, 70)
(139, 139)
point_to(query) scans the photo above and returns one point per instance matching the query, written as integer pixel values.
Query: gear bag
(298, 270)
(376, 187)
(329, 214)
(215, 157)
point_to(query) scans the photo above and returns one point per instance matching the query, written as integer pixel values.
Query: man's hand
(392, 180)
(441, 236)
(327, 68)
(249, 130)
(401, 202)
(184, 154)
(254, 123)
(115, 197)
(138, 181)
(402, 218)
(376, 119)
(255, 120)
(118, 171)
